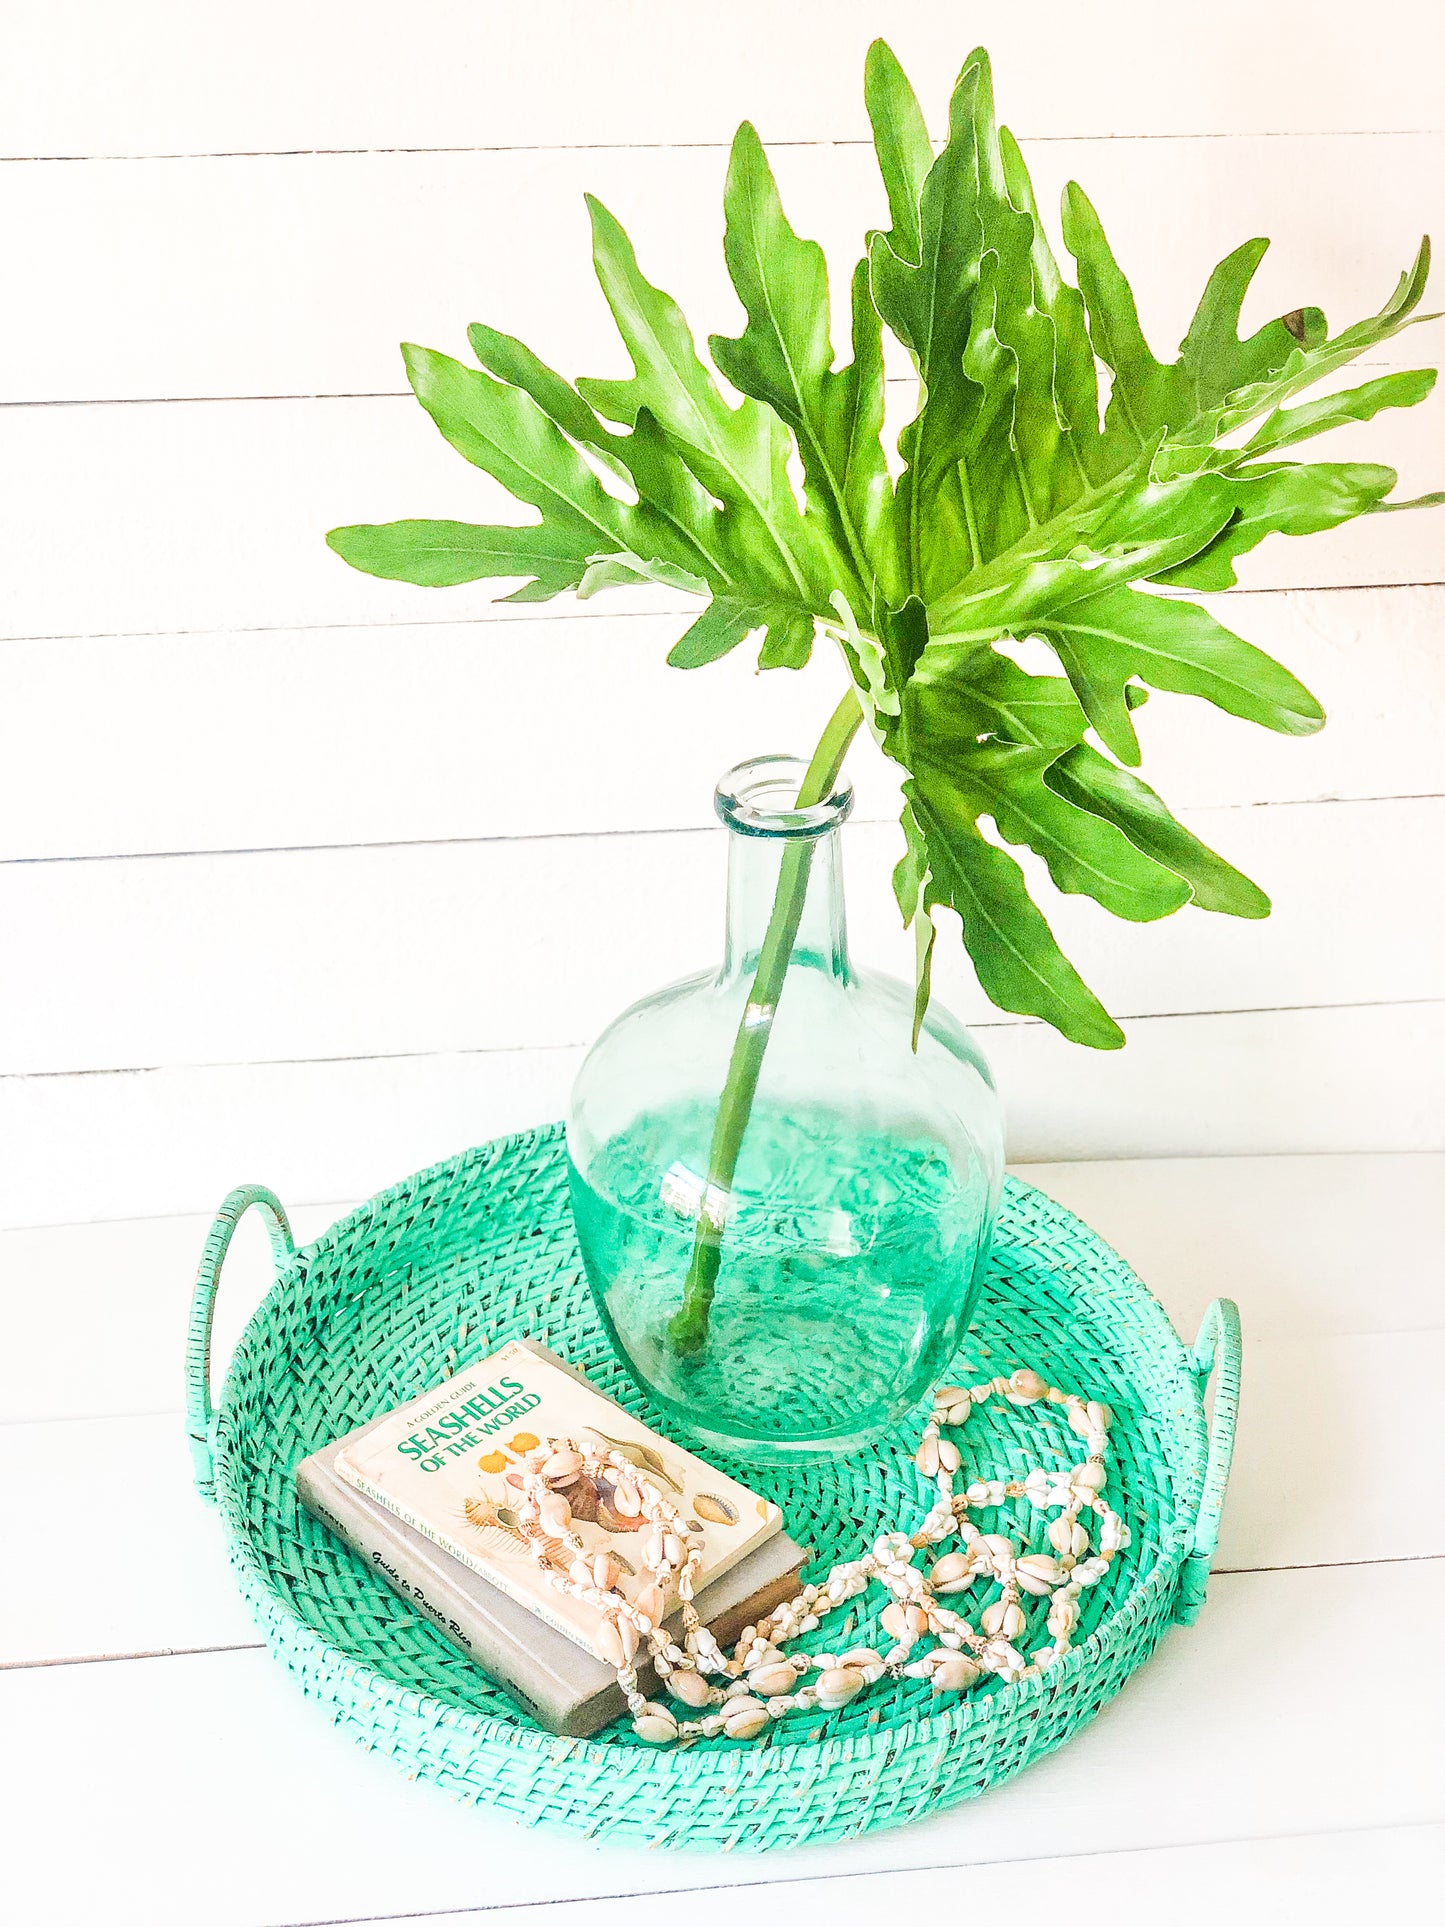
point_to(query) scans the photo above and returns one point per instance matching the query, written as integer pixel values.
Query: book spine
(491, 1572)
(442, 1608)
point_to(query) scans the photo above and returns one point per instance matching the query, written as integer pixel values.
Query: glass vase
(805, 1299)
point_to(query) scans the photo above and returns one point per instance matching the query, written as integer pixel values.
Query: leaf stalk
(689, 1325)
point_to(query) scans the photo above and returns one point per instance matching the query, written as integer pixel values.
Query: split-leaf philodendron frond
(1017, 512)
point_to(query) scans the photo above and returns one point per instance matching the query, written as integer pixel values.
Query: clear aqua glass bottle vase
(783, 1208)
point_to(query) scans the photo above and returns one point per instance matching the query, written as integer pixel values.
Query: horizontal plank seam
(524, 1050)
(717, 146)
(147, 1652)
(256, 1645)
(353, 394)
(1333, 1565)
(571, 613)
(804, 1880)
(648, 830)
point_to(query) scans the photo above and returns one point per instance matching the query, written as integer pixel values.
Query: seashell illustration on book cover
(449, 1464)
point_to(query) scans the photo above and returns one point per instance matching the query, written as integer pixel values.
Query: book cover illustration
(448, 1465)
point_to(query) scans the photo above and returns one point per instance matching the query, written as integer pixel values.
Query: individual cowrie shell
(1067, 1536)
(654, 1724)
(744, 1719)
(1092, 1417)
(959, 1414)
(858, 1657)
(605, 1571)
(1003, 1620)
(950, 1395)
(1114, 1535)
(611, 1641)
(906, 1624)
(1063, 1617)
(554, 1513)
(1025, 1386)
(948, 1456)
(626, 1498)
(771, 1681)
(652, 1601)
(652, 1547)
(954, 1673)
(689, 1687)
(1037, 1573)
(673, 1549)
(837, 1685)
(562, 1468)
(1091, 1478)
(952, 1573)
(926, 1457)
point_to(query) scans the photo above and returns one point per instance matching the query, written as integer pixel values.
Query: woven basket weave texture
(439, 1270)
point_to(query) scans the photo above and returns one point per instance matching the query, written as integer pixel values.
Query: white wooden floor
(1282, 1759)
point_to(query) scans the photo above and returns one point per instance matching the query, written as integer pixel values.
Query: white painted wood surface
(343, 256)
(1238, 1756)
(281, 739)
(126, 1143)
(477, 945)
(339, 73)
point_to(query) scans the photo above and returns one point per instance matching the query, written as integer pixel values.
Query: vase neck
(785, 872)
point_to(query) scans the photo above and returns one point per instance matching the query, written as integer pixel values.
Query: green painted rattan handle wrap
(203, 1311)
(1218, 1350)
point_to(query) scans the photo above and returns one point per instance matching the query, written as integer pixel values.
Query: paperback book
(448, 1466)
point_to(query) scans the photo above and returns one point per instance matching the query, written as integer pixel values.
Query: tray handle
(1217, 1351)
(200, 1416)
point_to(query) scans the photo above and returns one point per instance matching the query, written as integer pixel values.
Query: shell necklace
(737, 1695)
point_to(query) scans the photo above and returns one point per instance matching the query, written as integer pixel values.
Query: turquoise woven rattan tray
(440, 1269)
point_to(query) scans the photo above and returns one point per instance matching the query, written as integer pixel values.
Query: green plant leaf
(729, 620)
(502, 430)
(615, 571)
(439, 555)
(1148, 395)
(1212, 357)
(969, 778)
(927, 301)
(1288, 425)
(1434, 500)
(900, 140)
(705, 534)
(1091, 782)
(1289, 498)
(784, 357)
(740, 455)
(911, 878)
(1106, 641)
(1019, 965)
(1193, 446)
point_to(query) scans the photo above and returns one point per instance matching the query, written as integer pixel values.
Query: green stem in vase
(688, 1327)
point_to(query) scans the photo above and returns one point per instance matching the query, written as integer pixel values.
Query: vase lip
(759, 798)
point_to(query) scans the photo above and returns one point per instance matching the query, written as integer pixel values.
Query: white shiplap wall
(314, 878)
